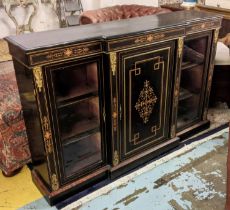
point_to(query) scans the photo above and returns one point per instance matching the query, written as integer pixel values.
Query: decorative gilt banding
(216, 34)
(37, 71)
(135, 139)
(115, 158)
(114, 115)
(210, 78)
(149, 38)
(173, 131)
(180, 46)
(38, 58)
(104, 114)
(177, 87)
(154, 129)
(68, 52)
(54, 182)
(47, 135)
(201, 26)
(146, 101)
(205, 114)
(113, 62)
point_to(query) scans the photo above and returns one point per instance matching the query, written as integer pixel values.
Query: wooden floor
(17, 191)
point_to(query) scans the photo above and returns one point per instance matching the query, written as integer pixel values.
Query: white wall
(222, 3)
(91, 4)
(45, 19)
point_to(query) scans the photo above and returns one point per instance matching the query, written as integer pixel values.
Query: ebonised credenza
(99, 100)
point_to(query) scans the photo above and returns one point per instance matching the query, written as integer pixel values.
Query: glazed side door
(194, 73)
(145, 81)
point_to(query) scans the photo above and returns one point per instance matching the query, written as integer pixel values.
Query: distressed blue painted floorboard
(40, 204)
(193, 180)
(147, 193)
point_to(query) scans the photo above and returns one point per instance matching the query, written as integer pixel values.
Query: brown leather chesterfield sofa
(119, 12)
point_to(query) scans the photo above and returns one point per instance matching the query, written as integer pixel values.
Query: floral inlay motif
(146, 102)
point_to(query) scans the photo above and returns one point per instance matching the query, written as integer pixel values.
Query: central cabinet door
(145, 81)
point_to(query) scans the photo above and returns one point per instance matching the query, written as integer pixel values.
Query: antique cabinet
(99, 100)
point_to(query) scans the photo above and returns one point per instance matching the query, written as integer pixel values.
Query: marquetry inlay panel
(146, 101)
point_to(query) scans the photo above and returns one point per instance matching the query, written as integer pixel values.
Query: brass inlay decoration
(54, 182)
(154, 129)
(180, 46)
(173, 131)
(64, 53)
(114, 115)
(135, 139)
(176, 92)
(47, 135)
(68, 52)
(216, 34)
(113, 62)
(210, 79)
(58, 53)
(137, 71)
(104, 114)
(146, 101)
(202, 26)
(115, 158)
(133, 41)
(149, 38)
(158, 65)
(37, 71)
(205, 113)
(158, 61)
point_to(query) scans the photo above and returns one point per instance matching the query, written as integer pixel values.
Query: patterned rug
(192, 176)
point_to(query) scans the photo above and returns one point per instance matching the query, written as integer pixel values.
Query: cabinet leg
(12, 173)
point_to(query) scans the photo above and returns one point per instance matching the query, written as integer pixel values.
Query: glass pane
(81, 153)
(191, 87)
(74, 81)
(79, 118)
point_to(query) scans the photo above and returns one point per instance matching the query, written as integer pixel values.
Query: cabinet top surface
(107, 30)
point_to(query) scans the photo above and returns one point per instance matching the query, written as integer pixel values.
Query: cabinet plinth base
(192, 130)
(72, 188)
(130, 164)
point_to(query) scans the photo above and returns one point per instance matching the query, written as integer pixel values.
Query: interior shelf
(81, 128)
(185, 94)
(184, 120)
(189, 65)
(78, 92)
(77, 100)
(82, 153)
(192, 56)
